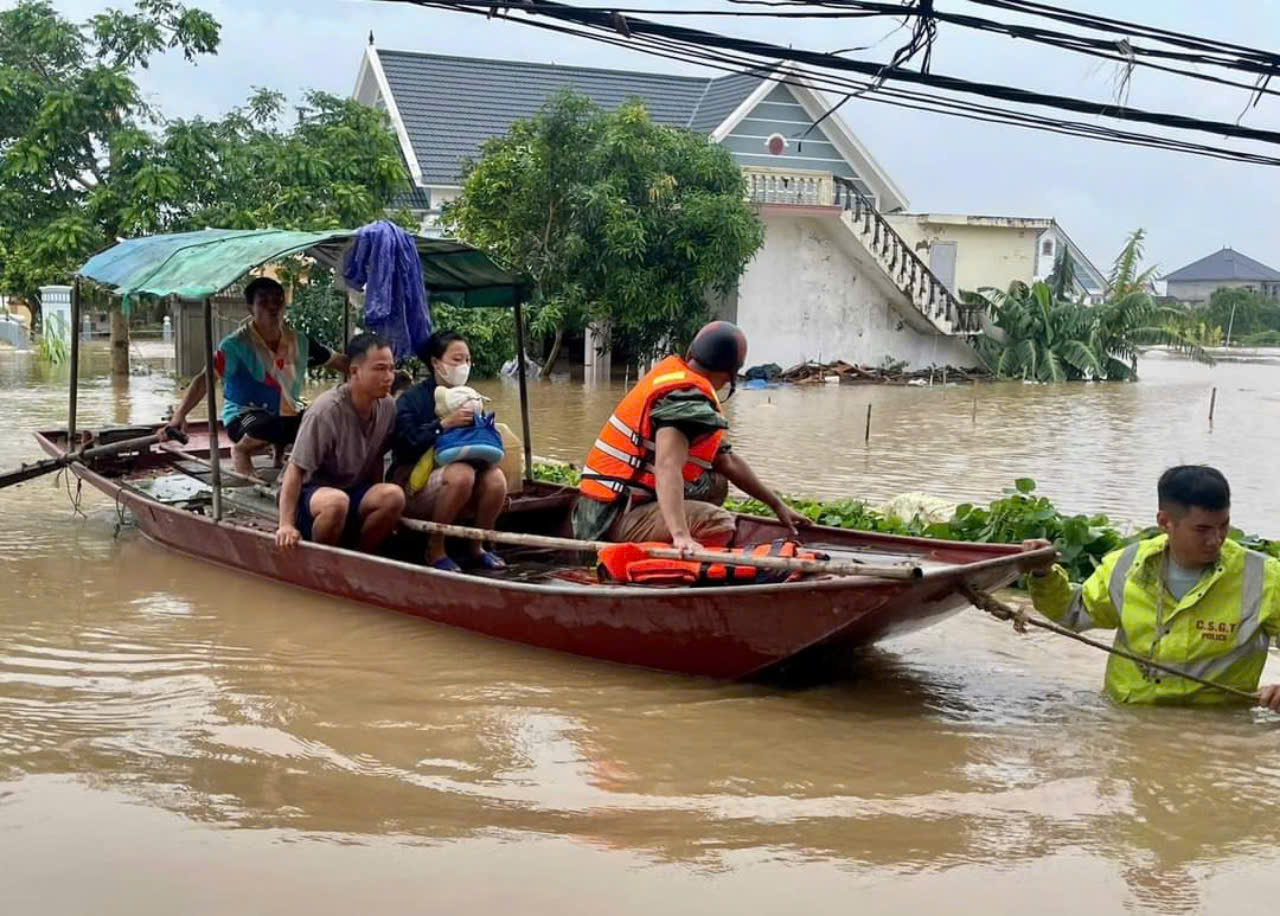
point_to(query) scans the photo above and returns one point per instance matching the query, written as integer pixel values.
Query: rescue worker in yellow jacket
(1188, 598)
(657, 469)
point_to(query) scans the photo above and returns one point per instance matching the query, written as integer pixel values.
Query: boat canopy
(197, 265)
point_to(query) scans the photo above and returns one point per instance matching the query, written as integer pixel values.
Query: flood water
(175, 738)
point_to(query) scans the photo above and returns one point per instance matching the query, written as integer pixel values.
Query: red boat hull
(728, 632)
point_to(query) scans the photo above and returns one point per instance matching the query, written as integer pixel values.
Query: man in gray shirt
(332, 491)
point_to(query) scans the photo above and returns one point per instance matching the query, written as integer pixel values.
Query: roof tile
(451, 105)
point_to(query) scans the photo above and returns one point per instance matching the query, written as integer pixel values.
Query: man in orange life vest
(653, 473)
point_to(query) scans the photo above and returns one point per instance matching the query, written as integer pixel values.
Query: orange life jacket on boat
(620, 464)
(630, 563)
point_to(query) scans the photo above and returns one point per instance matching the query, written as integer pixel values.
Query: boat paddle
(820, 567)
(83, 454)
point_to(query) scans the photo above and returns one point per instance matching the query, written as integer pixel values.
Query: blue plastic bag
(480, 443)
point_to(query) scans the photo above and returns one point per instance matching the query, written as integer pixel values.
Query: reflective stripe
(608, 481)
(637, 439)
(1119, 577)
(631, 461)
(1255, 569)
(1078, 617)
(627, 431)
(1210, 668)
(668, 377)
(1250, 638)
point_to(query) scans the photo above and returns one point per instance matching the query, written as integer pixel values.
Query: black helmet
(720, 346)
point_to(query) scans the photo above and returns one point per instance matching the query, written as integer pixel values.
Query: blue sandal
(446, 564)
(487, 561)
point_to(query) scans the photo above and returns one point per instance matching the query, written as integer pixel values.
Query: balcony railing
(789, 186)
(928, 294)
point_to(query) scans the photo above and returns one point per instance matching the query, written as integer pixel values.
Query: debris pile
(813, 373)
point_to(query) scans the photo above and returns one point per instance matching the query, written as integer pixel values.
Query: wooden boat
(551, 600)
(182, 500)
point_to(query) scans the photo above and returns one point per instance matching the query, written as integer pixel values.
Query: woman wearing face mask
(455, 491)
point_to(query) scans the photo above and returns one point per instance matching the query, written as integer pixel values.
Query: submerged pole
(75, 361)
(524, 391)
(211, 394)
(1213, 400)
(867, 437)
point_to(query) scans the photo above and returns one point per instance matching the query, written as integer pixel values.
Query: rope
(64, 477)
(985, 601)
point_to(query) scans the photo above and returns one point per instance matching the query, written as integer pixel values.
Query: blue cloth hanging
(384, 263)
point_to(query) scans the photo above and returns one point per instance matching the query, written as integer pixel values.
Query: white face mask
(456, 374)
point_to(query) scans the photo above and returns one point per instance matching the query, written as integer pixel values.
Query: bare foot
(243, 465)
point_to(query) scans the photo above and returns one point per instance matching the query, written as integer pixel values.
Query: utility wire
(681, 44)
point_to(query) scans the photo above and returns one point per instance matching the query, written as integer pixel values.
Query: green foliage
(84, 159)
(563, 474)
(316, 310)
(1017, 516)
(1063, 278)
(1262, 339)
(1045, 339)
(52, 346)
(490, 334)
(616, 219)
(1241, 313)
(1188, 323)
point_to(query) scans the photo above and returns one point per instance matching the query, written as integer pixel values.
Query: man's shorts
(709, 525)
(264, 426)
(350, 531)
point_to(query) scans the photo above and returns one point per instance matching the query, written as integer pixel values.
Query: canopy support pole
(524, 391)
(210, 381)
(346, 318)
(75, 362)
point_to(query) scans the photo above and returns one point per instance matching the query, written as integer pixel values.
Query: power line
(599, 19)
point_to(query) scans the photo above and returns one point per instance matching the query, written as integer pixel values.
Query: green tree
(1042, 338)
(1242, 313)
(618, 221)
(70, 121)
(83, 160)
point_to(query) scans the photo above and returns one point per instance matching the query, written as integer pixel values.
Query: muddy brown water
(175, 738)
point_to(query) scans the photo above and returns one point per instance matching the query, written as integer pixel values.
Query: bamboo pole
(210, 381)
(705, 556)
(75, 362)
(1213, 400)
(524, 392)
(866, 439)
(985, 601)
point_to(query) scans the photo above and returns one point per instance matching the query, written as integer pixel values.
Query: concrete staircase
(923, 299)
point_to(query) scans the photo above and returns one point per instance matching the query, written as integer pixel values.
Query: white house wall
(803, 297)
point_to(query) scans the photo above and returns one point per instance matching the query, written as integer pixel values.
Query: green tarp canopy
(197, 265)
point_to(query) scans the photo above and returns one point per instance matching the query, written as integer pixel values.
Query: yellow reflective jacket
(1220, 630)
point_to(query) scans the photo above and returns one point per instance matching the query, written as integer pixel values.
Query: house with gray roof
(1224, 269)
(834, 279)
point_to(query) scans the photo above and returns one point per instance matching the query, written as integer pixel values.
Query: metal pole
(211, 394)
(75, 361)
(524, 392)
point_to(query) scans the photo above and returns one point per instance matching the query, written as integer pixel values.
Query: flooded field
(175, 738)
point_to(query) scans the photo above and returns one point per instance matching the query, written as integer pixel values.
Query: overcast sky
(1190, 206)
